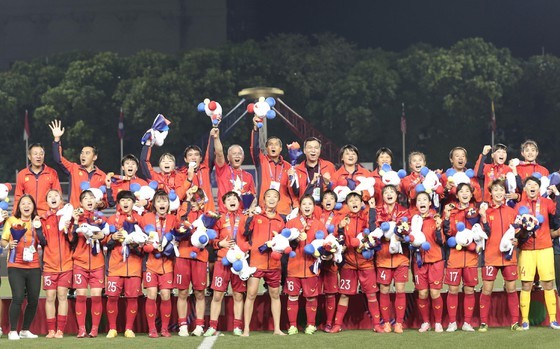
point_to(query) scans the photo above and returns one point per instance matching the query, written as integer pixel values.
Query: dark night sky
(524, 26)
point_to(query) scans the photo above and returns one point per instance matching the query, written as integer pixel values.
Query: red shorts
(386, 275)
(92, 278)
(190, 270)
(132, 286)
(349, 281)
(222, 277)
(509, 272)
(329, 281)
(271, 277)
(310, 286)
(468, 274)
(430, 276)
(161, 281)
(51, 281)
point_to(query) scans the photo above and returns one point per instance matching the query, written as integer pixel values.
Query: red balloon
(276, 255)
(212, 105)
(354, 242)
(250, 108)
(471, 247)
(148, 248)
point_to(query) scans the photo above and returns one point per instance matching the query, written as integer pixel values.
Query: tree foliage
(351, 94)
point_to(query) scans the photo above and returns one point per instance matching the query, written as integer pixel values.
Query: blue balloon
(338, 206)
(149, 228)
(4, 205)
(407, 239)
(292, 254)
(385, 226)
(286, 232)
(193, 255)
(153, 184)
(450, 172)
(424, 171)
(319, 234)
(259, 124)
(523, 210)
(330, 229)
(225, 262)
(366, 231)
(452, 242)
(386, 167)
(540, 218)
(469, 173)
(172, 195)
(401, 173)
(215, 121)
(201, 106)
(271, 114)
(426, 246)
(112, 228)
(420, 188)
(84, 185)
(270, 101)
(460, 226)
(404, 219)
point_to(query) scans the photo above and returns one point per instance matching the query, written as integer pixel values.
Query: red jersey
(384, 258)
(461, 258)
(186, 247)
(119, 184)
(433, 235)
(358, 222)
(450, 196)
(526, 169)
(231, 179)
(262, 229)
(231, 225)
(499, 220)
(298, 267)
(57, 254)
(77, 175)
(544, 206)
(488, 173)
(37, 185)
(305, 178)
(271, 174)
(162, 225)
(133, 264)
(83, 256)
(166, 181)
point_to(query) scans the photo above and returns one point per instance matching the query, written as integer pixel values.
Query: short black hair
(192, 147)
(125, 194)
(353, 193)
(35, 145)
(532, 178)
(383, 150)
(312, 139)
(130, 157)
(350, 147)
(230, 193)
(499, 146)
(93, 147)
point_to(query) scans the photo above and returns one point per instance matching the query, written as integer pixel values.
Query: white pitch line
(208, 342)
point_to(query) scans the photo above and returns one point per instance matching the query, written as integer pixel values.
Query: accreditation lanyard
(279, 178)
(32, 236)
(160, 227)
(233, 230)
(318, 171)
(537, 208)
(329, 219)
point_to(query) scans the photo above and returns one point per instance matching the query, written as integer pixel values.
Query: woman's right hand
(12, 244)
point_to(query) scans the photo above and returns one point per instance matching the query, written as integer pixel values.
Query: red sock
(424, 308)
(485, 301)
(513, 306)
(452, 302)
(339, 316)
(151, 312)
(112, 312)
(51, 324)
(237, 323)
(292, 309)
(214, 324)
(81, 310)
(468, 307)
(96, 310)
(131, 311)
(400, 306)
(373, 307)
(437, 308)
(182, 321)
(165, 312)
(385, 305)
(330, 308)
(311, 310)
(61, 320)
(199, 322)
